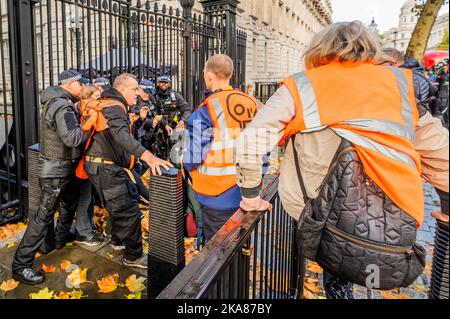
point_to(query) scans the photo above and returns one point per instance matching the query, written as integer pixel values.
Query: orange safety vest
(374, 108)
(95, 122)
(230, 111)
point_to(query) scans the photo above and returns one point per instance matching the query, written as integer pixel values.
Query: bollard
(439, 273)
(166, 230)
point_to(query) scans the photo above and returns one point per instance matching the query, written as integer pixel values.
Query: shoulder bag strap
(299, 172)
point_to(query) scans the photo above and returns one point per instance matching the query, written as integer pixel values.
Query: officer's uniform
(108, 156)
(61, 139)
(174, 108)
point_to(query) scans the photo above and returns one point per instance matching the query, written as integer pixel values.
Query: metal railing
(263, 90)
(253, 256)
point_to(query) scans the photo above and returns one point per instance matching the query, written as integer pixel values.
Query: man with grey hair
(109, 159)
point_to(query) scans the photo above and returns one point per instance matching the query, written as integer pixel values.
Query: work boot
(117, 247)
(93, 240)
(29, 276)
(141, 262)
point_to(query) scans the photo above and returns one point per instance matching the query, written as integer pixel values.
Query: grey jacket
(61, 136)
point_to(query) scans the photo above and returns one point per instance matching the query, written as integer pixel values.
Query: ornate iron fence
(253, 256)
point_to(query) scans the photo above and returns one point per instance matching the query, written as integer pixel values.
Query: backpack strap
(299, 172)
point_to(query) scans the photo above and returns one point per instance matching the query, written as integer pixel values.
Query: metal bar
(63, 19)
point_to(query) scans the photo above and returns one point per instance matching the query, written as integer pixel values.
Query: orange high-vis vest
(95, 121)
(374, 108)
(231, 111)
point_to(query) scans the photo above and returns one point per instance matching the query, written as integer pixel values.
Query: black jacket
(183, 107)
(61, 136)
(423, 88)
(115, 143)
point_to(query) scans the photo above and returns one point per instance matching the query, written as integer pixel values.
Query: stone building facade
(400, 36)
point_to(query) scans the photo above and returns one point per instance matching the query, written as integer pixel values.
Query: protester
(213, 129)
(60, 139)
(341, 97)
(84, 227)
(109, 161)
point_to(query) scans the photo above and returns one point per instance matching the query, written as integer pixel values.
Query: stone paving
(101, 261)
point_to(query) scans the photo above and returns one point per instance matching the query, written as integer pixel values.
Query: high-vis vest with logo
(230, 111)
(374, 108)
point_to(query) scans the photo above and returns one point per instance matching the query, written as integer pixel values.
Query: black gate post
(188, 79)
(227, 9)
(21, 33)
(21, 27)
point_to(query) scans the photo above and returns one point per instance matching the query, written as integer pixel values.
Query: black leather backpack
(353, 230)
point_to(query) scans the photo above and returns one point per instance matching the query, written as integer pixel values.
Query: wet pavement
(100, 261)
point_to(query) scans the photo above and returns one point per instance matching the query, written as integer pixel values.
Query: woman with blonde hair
(84, 227)
(343, 102)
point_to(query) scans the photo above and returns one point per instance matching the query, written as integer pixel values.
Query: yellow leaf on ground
(135, 284)
(9, 285)
(136, 295)
(10, 244)
(77, 276)
(392, 294)
(62, 295)
(313, 287)
(110, 256)
(42, 294)
(108, 283)
(76, 294)
(65, 264)
(48, 269)
(313, 267)
(38, 254)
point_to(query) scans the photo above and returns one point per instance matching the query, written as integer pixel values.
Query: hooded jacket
(161, 97)
(115, 143)
(61, 136)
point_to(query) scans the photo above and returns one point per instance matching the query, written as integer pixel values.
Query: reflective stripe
(220, 119)
(384, 127)
(217, 171)
(309, 102)
(402, 83)
(217, 146)
(365, 142)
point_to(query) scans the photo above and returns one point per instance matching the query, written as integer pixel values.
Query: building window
(266, 53)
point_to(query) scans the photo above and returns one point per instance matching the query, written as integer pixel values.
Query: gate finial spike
(138, 4)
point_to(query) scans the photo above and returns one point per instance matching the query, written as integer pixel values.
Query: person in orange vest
(214, 128)
(109, 158)
(341, 95)
(84, 227)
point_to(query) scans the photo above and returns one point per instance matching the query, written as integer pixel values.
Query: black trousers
(62, 193)
(120, 197)
(213, 220)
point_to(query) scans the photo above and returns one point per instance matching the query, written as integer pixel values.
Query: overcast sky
(385, 12)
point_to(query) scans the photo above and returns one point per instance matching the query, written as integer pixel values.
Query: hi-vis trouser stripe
(312, 118)
(224, 143)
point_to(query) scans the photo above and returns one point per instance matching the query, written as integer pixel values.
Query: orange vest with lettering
(374, 108)
(230, 111)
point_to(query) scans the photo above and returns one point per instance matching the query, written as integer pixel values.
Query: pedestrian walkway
(100, 262)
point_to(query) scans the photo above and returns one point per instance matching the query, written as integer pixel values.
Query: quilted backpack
(353, 230)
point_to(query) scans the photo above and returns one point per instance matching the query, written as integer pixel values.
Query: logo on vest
(241, 108)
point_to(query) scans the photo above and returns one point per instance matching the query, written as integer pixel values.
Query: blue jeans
(85, 211)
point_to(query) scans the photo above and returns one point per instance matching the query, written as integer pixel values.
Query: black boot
(29, 276)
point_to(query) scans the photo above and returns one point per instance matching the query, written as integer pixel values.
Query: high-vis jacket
(380, 120)
(230, 112)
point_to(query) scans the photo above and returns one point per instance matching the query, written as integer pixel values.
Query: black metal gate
(40, 38)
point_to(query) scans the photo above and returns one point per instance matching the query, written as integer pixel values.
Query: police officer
(102, 83)
(173, 112)
(60, 140)
(108, 160)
